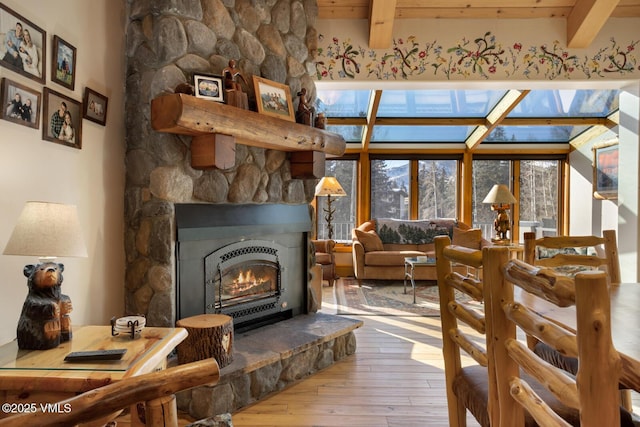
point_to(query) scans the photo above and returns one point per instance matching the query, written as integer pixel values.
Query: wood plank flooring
(395, 378)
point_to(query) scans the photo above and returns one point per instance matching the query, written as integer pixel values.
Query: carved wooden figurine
(304, 115)
(44, 321)
(232, 88)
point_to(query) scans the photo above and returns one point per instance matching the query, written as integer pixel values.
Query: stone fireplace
(246, 261)
(167, 42)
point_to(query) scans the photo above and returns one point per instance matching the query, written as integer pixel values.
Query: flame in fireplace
(247, 279)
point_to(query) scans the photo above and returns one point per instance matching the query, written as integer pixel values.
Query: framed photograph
(24, 45)
(605, 170)
(273, 99)
(208, 87)
(62, 119)
(94, 106)
(21, 104)
(63, 65)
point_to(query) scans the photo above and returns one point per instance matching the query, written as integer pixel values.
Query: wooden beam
(586, 20)
(495, 116)
(187, 115)
(593, 132)
(381, 16)
(471, 121)
(372, 112)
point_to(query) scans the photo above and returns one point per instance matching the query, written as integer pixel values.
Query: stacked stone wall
(167, 42)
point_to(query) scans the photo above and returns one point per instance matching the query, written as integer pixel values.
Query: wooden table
(42, 376)
(625, 324)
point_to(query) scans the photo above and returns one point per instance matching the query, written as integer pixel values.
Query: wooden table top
(47, 370)
(625, 324)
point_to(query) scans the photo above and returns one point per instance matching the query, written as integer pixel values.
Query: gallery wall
(91, 177)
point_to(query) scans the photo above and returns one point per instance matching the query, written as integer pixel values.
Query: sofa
(381, 245)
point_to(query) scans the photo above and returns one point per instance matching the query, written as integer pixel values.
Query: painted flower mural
(481, 57)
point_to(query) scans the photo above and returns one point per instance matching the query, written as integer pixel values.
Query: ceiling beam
(372, 112)
(495, 116)
(471, 121)
(381, 16)
(593, 132)
(586, 20)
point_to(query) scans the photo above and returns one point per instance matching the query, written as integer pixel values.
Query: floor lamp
(330, 187)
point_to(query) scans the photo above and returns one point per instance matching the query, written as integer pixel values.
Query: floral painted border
(483, 57)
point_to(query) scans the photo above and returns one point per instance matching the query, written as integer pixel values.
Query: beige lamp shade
(500, 195)
(329, 186)
(47, 230)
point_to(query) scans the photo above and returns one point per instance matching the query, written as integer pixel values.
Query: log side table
(210, 335)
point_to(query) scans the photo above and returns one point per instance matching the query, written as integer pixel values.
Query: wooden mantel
(187, 115)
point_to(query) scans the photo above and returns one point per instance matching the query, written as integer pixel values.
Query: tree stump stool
(210, 335)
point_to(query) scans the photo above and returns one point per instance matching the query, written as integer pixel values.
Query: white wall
(629, 184)
(91, 178)
(588, 215)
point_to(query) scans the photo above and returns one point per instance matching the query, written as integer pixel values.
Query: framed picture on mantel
(273, 99)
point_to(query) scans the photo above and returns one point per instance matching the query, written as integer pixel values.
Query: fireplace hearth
(246, 261)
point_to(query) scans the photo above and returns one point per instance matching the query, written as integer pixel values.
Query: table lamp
(45, 230)
(330, 187)
(501, 199)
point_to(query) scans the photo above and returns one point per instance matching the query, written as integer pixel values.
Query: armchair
(326, 258)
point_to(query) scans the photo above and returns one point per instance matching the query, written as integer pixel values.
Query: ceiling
(390, 119)
(584, 18)
(367, 119)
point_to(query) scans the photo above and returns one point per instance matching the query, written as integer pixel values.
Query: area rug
(386, 298)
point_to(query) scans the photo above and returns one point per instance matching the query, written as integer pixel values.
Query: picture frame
(29, 58)
(21, 104)
(208, 86)
(273, 99)
(605, 170)
(94, 106)
(53, 128)
(63, 63)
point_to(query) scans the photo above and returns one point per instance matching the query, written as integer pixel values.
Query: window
(390, 189)
(395, 194)
(344, 208)
(437, 184)
(538, 199)
(537, 194)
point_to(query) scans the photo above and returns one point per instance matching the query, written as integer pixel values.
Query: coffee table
(410, 265)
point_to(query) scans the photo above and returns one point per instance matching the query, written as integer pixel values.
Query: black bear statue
(44, 322)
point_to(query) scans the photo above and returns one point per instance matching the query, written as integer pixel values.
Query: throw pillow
(370, 240)
(470, 238)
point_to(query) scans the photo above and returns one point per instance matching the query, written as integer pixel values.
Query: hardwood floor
(395, 378)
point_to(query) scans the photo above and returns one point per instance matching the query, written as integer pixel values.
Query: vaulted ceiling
(584, 18)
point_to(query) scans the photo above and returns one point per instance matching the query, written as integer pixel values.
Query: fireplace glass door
(247, 281)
